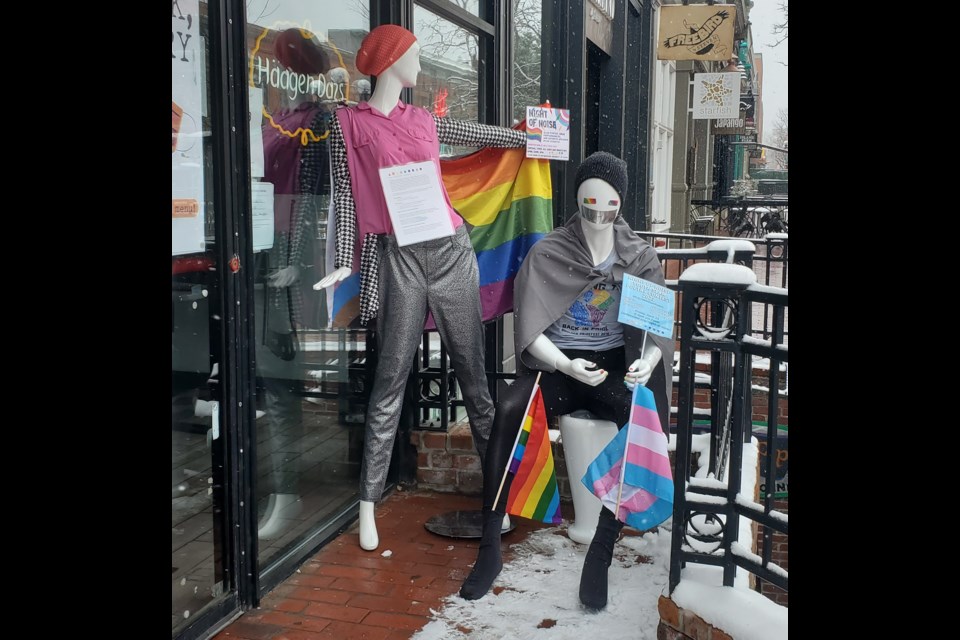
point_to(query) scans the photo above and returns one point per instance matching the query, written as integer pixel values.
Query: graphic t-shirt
(591, 321)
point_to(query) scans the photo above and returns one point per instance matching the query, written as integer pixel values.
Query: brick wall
(777, 555)
(677, 623)
(448, 462)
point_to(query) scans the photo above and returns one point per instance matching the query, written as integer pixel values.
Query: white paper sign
(256, 131)
(716, 95)
(187, 191)
(262, 201)
(415, 202)
(548, 133)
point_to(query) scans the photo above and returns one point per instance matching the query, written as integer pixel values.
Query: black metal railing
(717, 320)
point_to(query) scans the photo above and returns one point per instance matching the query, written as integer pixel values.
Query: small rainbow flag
(508, 200)
(589, 201)
(534, 134)
(533, 492)
(639, 492)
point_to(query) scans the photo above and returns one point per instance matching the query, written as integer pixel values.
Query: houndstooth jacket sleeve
(474, 134)
(342, 198)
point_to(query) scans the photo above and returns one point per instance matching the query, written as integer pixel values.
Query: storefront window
(448, 84)
(527, 38)
(197, 510)
(309, 357)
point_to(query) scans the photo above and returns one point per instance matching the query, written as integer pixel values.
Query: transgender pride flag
(643, 488)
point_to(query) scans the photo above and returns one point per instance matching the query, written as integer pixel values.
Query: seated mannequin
(399, 284)
(587, 358)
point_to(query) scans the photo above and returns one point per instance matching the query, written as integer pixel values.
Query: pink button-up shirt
(374, 141)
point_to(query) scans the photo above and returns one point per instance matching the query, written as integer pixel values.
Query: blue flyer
(647, 306)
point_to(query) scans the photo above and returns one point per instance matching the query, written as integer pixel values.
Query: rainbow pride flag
(507, 200)
(533, 492)
(646, 497)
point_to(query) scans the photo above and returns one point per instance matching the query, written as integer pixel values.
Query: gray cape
(558, 268)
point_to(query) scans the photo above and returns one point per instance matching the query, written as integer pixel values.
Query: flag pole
(536, 385)
(623, 461)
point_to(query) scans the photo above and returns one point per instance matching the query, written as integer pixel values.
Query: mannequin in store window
(299, 174)
(400, 283)
(566, 303)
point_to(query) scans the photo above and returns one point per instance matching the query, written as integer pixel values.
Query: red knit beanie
(382, 47)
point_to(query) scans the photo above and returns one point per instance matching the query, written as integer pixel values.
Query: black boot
(593, 578)
(489, 562)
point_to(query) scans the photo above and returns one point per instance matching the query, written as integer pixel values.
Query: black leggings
(609, 400)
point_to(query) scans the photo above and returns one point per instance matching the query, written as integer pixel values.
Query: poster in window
(188, 209)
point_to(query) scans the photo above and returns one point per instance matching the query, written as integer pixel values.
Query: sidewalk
(346, 593)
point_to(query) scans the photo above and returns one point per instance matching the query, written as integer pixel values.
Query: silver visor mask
(598, 216)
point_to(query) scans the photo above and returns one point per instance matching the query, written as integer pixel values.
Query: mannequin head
(598, 201)
(601, 184)
(406, 68)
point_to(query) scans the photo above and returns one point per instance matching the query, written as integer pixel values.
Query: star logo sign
(715, 92)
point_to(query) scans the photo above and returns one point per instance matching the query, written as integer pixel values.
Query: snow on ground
(537, 593)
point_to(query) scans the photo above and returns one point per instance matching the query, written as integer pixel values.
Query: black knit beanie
(605, 166)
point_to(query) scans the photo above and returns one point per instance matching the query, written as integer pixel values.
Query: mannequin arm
(642, 368)
(334, 276)
(342, 199)
(474, 134)
(542, 348)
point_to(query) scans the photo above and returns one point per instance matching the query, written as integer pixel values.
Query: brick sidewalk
(346, 593)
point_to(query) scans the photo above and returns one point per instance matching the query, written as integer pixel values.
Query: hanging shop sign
(730, 126)
(716, 95)
(696, 32)
(599, 23)
(188, 210)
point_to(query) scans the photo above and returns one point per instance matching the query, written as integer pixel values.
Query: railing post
(711, 321)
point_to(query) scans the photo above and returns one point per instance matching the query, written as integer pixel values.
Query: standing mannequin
(399, 284)
(566, 299)
(296, 171)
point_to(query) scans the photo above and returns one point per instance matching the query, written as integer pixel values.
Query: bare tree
(780, 139)
(528, 20)
(780, 28)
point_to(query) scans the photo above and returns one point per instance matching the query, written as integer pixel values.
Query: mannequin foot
(489, 561)
(281, 507)
(369, 540)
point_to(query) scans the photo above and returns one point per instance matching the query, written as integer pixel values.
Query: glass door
(201, 587)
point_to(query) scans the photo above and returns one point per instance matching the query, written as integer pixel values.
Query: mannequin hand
(284, 277)
(638, 373)
(642, 368)
(334, 276)
(582, 370)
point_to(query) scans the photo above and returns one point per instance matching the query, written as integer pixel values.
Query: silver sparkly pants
(440, 275)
